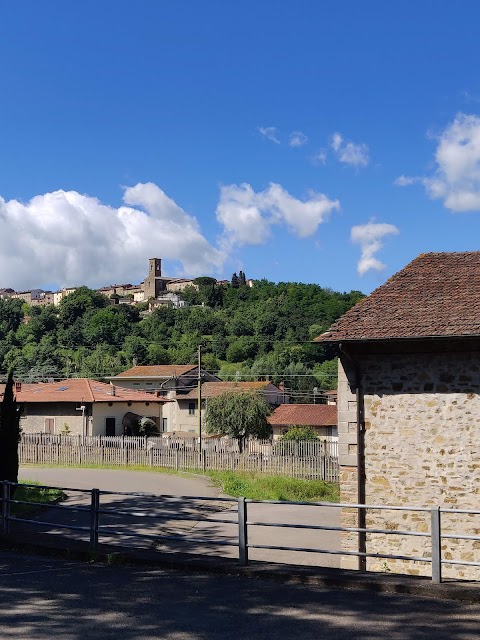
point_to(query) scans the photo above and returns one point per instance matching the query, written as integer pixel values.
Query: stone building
(409, 410)
(154, 283)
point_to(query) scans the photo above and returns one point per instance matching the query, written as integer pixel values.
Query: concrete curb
(288, 574)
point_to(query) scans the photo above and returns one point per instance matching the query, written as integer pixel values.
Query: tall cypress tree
(9, 433)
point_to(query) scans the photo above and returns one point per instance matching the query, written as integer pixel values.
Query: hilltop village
(156, 289)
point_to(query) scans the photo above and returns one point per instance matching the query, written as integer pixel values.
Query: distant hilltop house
(156, 289)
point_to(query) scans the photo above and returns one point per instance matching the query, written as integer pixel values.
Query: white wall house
(80, 406)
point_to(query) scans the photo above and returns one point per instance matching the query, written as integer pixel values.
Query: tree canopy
(259, 332)
(238, 415)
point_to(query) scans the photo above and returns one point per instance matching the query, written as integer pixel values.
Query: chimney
(112, 389)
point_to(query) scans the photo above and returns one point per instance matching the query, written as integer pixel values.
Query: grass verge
(255, 486)
(261, 487)
(36, 494)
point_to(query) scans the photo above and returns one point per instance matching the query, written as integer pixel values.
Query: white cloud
(456, 176)
(456, 179)
(406, 181)
(270, 133)
(349, 152)
(247, 216)
(67, 238)
(297, 139)
(369, 237)
(337, 142)
(320, 157)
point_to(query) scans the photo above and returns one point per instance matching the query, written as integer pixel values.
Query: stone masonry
(422, 448)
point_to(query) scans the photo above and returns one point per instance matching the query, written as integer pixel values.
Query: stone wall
(422, 448)
(64, 413)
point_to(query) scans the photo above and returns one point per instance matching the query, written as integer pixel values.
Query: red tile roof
(435, 295)
(314, 415)
(157, 371)
(213, 389)
(79, 390)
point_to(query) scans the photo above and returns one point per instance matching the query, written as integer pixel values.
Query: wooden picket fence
(312, 460)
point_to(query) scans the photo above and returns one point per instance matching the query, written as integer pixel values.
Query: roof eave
(454, 336)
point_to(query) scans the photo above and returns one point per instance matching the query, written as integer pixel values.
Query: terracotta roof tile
(315, 415)
(435, 295)
(157, 371)
(213, 389)
(79, 390)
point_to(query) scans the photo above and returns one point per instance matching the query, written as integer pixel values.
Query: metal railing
(96, 528)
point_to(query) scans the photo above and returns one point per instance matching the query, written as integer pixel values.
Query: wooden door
(49, 425)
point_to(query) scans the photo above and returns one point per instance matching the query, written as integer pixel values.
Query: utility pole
(199, 382)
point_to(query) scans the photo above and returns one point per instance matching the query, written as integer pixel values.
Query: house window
(191, 408)
(164, 424)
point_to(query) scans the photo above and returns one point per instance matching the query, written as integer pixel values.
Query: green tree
(326, 374)
(11, 315)
(238, 415)
(241, 349)
(299, 434)
(157, 354)
(9, 433)
(77, 303)
(135, 348)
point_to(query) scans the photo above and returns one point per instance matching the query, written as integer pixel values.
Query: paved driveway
(53, 599)
(198, 522)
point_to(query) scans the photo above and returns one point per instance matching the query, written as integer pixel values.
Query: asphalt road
(199, 523)
(49, 598)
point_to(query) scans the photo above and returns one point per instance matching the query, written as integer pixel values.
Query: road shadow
(141, 521)
(188, 525)
(52, 598)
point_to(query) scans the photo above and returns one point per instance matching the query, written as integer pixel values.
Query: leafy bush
(299, 434)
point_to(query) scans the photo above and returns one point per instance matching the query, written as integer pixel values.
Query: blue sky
(327, 142)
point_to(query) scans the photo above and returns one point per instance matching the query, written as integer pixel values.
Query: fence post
(150, 456)
(242, 533)
(177, 459)
(435, 532)
(94, 518)
(5, 507)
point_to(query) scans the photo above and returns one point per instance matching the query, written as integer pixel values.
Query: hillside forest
(262, 332)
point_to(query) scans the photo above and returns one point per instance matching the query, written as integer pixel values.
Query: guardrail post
(94, 518)
(435, 532)
(5, 507)
(242, 533)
